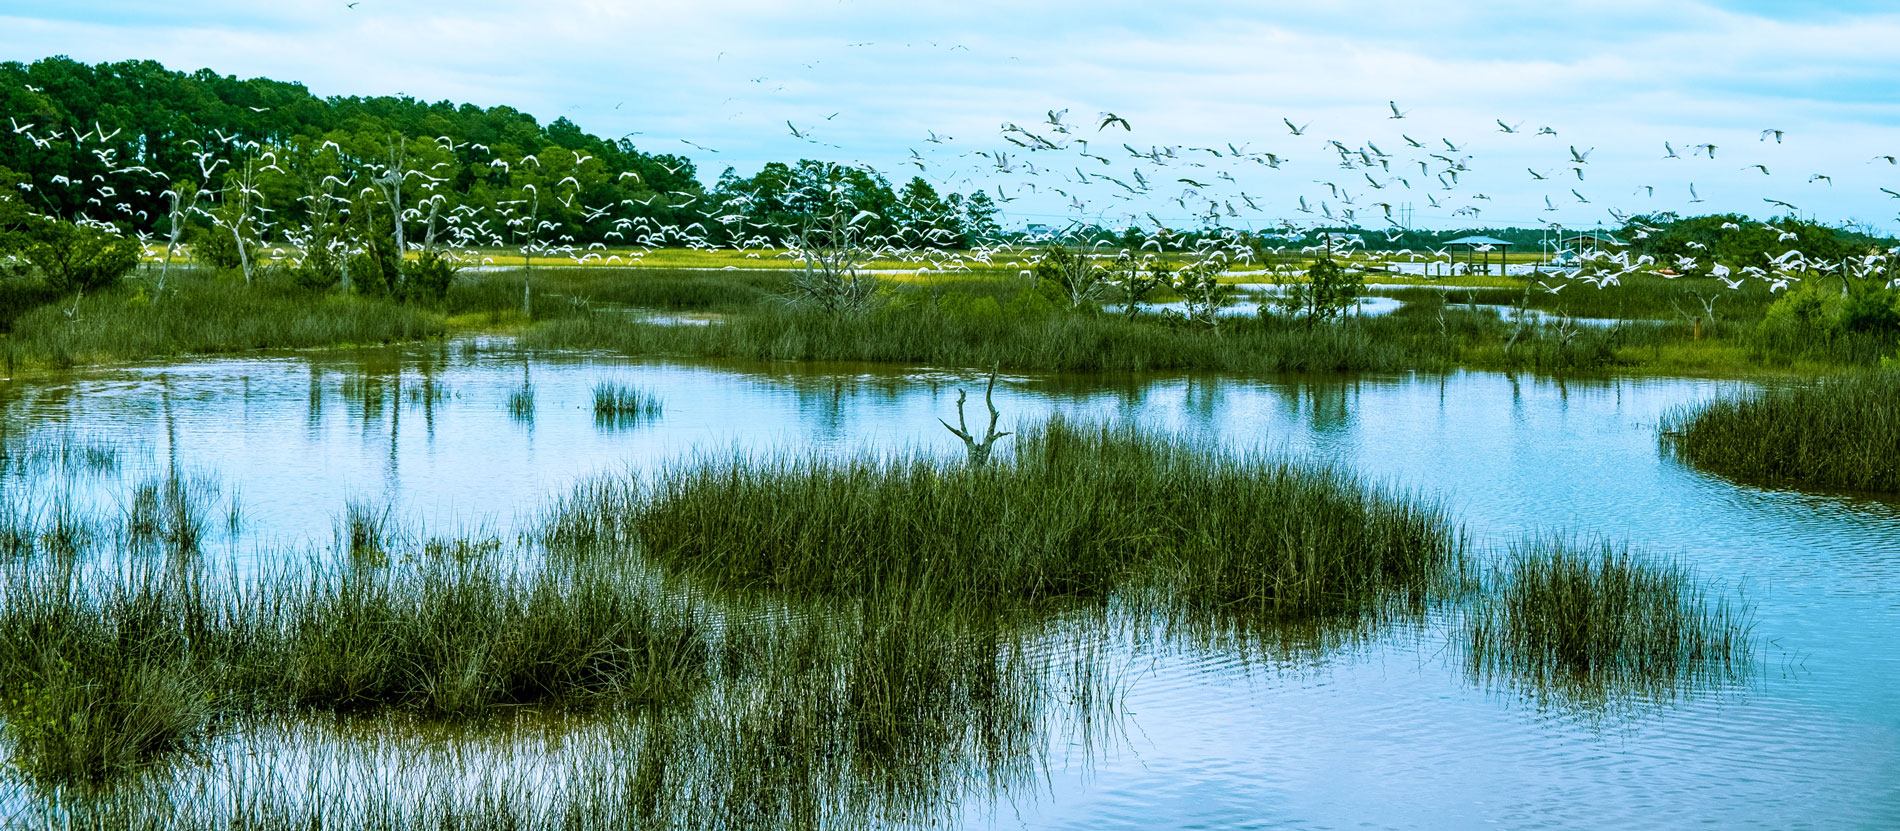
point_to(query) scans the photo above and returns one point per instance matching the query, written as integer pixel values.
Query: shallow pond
(1387, 733)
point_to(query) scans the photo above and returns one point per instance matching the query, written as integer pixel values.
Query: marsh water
(1389, 731)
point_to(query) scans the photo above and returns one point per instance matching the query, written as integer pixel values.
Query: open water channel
(1389, 732)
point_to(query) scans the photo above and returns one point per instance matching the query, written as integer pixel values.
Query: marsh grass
(172, 512)
(1836, 433)
(1635, 297)
(1590, 618)
(621, 405)
(207, 314)
(495, 297)
(41, 453)
(108, 673)
(365, 531)
(99, 681)
(808, 715)
(521, 403)
(1078, 513)
(913, 329)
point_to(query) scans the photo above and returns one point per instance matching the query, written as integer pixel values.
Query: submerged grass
(1567, 616)
(1835, 433)
(1077, 512)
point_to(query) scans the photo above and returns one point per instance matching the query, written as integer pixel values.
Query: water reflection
(1366, 729)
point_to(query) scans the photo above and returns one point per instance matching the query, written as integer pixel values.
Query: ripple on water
(1388, 732)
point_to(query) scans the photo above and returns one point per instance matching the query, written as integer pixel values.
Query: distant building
(1478, 250)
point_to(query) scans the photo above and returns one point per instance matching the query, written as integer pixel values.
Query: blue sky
(1620, 77)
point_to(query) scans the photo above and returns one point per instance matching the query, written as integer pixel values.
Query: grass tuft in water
(98, 681)
(521, 404)
(1078, 512)
(1837, 433)
(364, 530)
(624, 404)
(107, 673)
(1559, 613)
(172, 512)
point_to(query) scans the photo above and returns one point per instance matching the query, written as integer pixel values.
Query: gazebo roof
(1478, 240)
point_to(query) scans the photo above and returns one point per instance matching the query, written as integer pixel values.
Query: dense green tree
(142, 127)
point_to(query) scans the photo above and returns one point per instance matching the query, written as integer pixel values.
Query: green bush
(428, 278)
(1328, 292)
(215, 248)
(321, 269)
(1873, 311)
(1806, 310)
(73, 258)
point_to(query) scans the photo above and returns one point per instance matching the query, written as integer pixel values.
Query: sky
(872, 82)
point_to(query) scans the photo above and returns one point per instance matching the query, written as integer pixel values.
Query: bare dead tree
(1707, 300)
(979, 449)
(181, 209)
(241, 205)
(832, 248)
(391, 185)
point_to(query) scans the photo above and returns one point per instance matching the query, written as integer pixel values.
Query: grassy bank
(1839, 433)
(204, 314)
(1074, 513)
(954, 320)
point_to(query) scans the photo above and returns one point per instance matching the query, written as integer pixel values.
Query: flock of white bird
(1108, 180)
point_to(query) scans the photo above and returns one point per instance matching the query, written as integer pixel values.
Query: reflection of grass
(1839, 433)
(1593, 618)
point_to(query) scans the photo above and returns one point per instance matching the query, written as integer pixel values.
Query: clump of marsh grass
(99, 681)
(106, 674)
(67, 532)
(206, 314)
(618, 404)
(1561, 614)
(172, 512)
(1836, 433)
(1077, 513)
(364, 531)
(457, 639)
(521, 404)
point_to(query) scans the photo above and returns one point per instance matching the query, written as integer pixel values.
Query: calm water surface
(1389, 733)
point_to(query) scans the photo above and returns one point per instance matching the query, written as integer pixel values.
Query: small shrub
(74, 258)
(428, 278)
